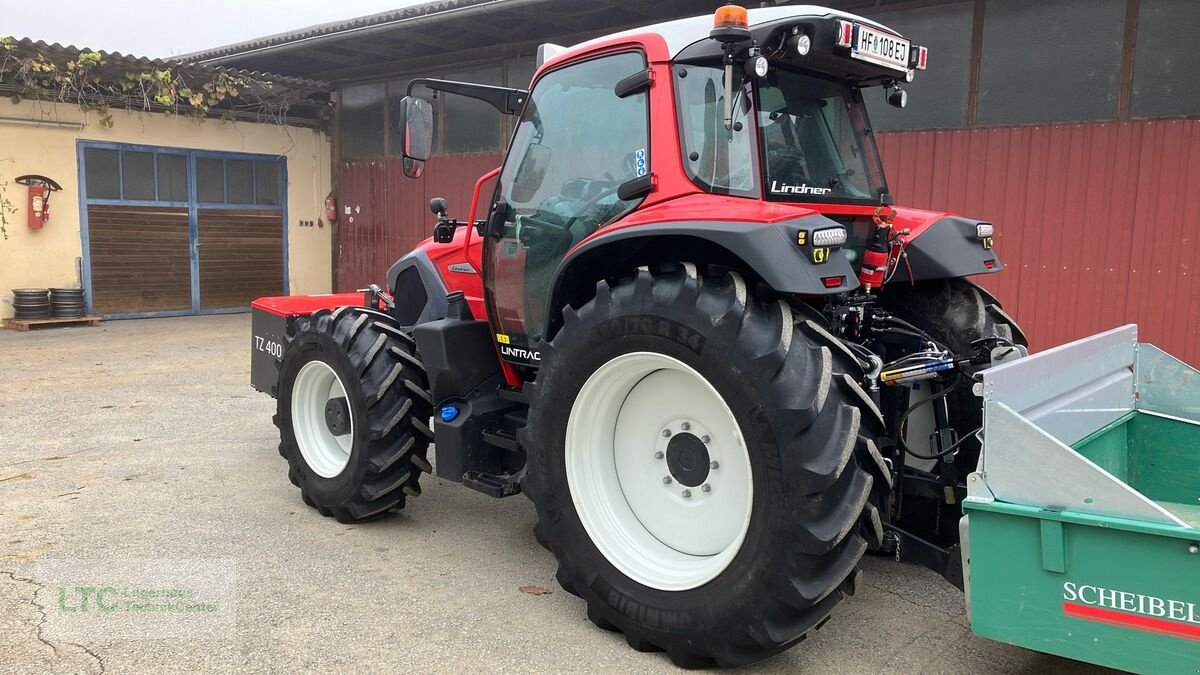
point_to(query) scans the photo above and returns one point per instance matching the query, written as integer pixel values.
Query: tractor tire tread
(395, 440)
(813, 413)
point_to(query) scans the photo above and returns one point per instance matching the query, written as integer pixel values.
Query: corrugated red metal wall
(1098, 223)
(389, 214)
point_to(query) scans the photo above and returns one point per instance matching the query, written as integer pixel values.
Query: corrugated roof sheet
(117, 59)
(357, 23)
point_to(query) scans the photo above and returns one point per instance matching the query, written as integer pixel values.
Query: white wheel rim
(618, 460)
(315, 386)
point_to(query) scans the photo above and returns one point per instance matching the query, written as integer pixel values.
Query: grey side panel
(420, 294)
(770, 249)
(948, 249)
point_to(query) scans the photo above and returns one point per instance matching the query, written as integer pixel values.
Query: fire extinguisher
(878, 251)
(40, 188)
(331, 213)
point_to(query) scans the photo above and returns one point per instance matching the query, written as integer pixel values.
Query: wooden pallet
(26, 324)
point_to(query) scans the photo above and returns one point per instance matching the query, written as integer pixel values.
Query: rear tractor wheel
(701, 464)
(353, 412)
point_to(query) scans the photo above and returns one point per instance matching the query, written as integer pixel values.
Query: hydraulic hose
(900, 427)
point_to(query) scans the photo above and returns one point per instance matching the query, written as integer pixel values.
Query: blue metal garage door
(170, 231)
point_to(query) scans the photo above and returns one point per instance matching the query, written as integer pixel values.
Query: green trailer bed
(1082, 527)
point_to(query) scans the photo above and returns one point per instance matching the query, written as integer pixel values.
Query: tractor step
(514, 395)
(492, 485)
(501, 438)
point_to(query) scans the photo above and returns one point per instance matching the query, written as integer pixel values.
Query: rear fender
(948, 249)
(775, 252)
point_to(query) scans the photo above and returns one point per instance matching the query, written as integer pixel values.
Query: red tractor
(692, 329)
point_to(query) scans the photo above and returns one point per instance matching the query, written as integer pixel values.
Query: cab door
(576, 143)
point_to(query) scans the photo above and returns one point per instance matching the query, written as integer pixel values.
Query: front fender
(417, 288)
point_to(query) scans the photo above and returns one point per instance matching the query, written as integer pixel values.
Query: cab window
(718, 159)
(577, 142)
(816, 141)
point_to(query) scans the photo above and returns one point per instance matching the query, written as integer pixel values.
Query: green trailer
(1082, 529)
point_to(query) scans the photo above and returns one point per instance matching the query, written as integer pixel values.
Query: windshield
(812, 136)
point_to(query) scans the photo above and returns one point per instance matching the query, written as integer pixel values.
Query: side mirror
(417, 127)
(531, 173)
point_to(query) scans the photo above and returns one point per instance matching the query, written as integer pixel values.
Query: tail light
(845, 33)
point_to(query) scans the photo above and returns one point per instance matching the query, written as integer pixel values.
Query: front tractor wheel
(698, 459)
(352, 412)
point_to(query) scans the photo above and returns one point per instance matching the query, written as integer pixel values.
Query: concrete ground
(142, 440)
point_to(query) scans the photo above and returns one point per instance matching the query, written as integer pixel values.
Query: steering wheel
(545, 224)
(531, 227)
(587, 206)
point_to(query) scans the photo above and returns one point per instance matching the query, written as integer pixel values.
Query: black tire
(956, 313)
(389, 403)
(807, 427)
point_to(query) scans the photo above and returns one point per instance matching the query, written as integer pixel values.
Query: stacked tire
(31, 303)
(66, 303)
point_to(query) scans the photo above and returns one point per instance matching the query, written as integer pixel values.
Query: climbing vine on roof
(93, 82)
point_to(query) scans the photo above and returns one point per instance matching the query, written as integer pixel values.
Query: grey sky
(159, 28)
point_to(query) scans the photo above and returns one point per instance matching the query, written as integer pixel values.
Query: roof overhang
(293, 100)
(443, 35)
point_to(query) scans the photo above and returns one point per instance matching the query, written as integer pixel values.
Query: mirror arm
(506, 100)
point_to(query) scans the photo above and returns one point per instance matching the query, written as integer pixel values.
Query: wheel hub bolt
(706, 488)
(705, 439)
(685, 426)
(666, 433)
(658, 455)
(666, 480)
(715, 465)
(687, 494)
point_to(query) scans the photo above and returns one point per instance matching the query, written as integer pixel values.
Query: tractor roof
(681, 33)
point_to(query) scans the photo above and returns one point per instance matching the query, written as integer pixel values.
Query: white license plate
(881, 48)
